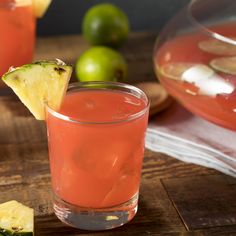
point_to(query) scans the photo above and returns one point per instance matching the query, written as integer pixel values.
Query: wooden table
(175, 198)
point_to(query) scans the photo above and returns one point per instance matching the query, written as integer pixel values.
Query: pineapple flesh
(16, 219)
(40, 84)
(40, 7)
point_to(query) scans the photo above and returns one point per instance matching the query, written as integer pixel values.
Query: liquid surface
(190, 69)
(98, 106)
(97, 165)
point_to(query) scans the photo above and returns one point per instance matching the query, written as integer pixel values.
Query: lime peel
(105, 24)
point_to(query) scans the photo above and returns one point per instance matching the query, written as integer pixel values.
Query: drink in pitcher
(200, 72)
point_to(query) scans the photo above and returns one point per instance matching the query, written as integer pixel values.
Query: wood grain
(17, 125)
(204, 202)
(155, 213)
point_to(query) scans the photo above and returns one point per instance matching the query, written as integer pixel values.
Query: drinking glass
(96, 145)
(17, 37)
(195, 59)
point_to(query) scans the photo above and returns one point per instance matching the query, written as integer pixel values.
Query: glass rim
(81, 85)
(205, 29)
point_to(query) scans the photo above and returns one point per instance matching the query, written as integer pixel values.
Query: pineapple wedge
(16, 219)
(39, 84)
(40, 7)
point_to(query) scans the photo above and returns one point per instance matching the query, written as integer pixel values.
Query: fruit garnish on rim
(39, 6)
(40, 83)
(16, 219)
(105, 24)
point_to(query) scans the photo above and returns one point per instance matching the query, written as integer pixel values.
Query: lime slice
(16, 219)
(40, 83)
(175, 70)
(218, 47)
(40, 7)
(225, 64)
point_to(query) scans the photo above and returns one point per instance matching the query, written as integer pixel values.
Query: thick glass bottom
(95, 219)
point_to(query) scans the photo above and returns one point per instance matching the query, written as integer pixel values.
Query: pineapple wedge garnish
(40, 84)
(40, 7)
(16, 219)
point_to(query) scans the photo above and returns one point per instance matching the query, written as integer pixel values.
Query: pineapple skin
(16, 219)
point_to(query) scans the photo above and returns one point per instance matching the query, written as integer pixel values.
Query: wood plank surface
(204, 201)
(25, 175)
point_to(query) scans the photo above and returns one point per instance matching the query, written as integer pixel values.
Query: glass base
(95, 219)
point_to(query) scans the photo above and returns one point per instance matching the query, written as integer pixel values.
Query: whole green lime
(101, 63)
(105, 24)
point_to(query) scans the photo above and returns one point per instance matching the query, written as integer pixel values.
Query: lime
(105, 24)
(101, 63)
(225, 64)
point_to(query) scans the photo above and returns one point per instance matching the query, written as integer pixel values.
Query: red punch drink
(200, 72)
(96, 145)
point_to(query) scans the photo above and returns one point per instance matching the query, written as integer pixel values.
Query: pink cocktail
(96, 145)
(17, 37)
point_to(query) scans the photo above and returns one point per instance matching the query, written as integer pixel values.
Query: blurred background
(65, 16)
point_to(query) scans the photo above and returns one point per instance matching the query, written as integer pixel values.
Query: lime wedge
(16, 219)
(225, 64)
(218, 47)
(38, 84)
